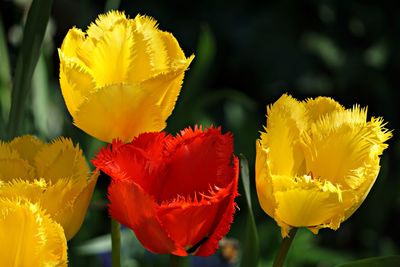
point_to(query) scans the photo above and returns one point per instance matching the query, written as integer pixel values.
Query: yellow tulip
(29, 237)
(122, 77)
(316, 162)
(55, 175)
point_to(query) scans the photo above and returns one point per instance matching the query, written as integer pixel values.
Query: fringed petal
(30, 237)
(137, 210)
(125, 112)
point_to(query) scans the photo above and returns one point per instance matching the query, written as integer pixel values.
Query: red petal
(134, 208)
(226, 213)
(139, 161)
(196, 161)
(190, 223)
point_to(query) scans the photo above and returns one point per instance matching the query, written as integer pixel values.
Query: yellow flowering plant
(316, 162)
(29, 236)
(55, 175)
(122, 77)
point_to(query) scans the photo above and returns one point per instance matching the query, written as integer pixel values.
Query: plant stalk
(177, 261)
(116, 243)
(284, 248)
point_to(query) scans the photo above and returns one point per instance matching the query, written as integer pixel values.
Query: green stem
(177, 261)
(284, 248)
(34, 31)
(116, 243)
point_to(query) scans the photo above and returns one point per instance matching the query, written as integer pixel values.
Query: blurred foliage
(247, 54)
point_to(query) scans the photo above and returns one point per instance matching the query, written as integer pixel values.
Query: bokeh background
(248, 53)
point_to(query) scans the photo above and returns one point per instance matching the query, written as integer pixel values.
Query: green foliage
(34, 30)
(247, 55)
(5, 81)
(250, 245)
(388, 261)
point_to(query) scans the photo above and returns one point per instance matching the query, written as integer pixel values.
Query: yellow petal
(149, 52)
(72, 41)
(317, 162)
(29, 237)
(15, 169)
(263, 181)
(12, 166)
(339, 146)
(166, 88)
(120, 111)
(111, 55)
(286, 121)
(174, 52)
(61, 159)
(105, 23)
(72, 215)
(76, 82)
(65, 200)
(27, 147)
(118, 53)
(58, 180)
(321, 106)
(305, 202)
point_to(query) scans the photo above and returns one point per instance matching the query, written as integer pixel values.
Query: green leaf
(34, 30)
(387, 261)
(5, 80)
(250, 251)
(47, 114)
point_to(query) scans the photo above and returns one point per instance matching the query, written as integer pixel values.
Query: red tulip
(176, 193)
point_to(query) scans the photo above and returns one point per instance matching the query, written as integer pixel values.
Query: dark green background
(248, 54)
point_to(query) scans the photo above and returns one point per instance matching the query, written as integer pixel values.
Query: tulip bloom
(316, 162)
(54, 175)
(176, 193)
(122, 72)
(29, 237)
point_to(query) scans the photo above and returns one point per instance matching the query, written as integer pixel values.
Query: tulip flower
(29, 237)
(55, 175)
(176, 193)
(316, 162)
(122, 72)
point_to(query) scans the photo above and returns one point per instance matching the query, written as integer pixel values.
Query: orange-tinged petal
(125, 111)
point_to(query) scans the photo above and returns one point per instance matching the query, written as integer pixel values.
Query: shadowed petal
(137, 210)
